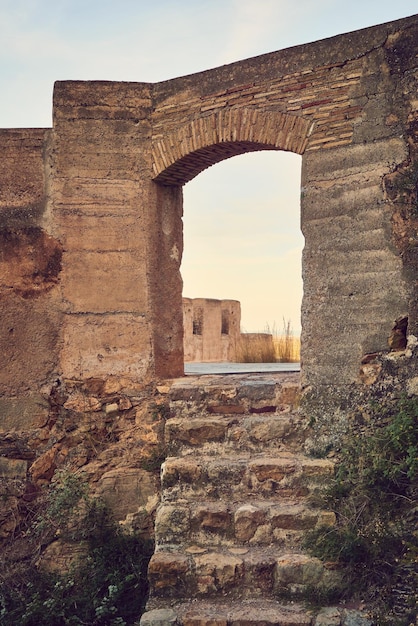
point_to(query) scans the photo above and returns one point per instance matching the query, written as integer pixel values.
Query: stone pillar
(165, 249)
(100, 194)
(353, 282)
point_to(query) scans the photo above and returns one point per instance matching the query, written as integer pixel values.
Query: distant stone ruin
(211, 329)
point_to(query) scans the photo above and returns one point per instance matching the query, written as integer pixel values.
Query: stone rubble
(235, 506)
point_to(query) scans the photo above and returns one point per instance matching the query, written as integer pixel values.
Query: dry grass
(270, 346)
(286, 345)
(256, 348)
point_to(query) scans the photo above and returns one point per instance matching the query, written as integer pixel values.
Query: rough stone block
(45, 465)
(159, 617)
(13, 468)
(196, 431)
(225, 570)
(126, 490)
(174, 469)
(246, 520)
(272, 469)
(257, 390)
(227, 409)
(259, 572)
(318, 467)
(212, 517)
(23, 413)
(267, 431)
(167, 572)
(298, 569)
(328, 616)
(172, 523)
(96, 345)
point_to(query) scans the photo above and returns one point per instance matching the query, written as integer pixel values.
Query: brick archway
(105, 182)
(312, 101)
(182, 154)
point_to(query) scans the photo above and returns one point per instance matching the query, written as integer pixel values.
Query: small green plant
(107, 586)
(62, 506)
(374, 495)
(160, 411)
(406, 188)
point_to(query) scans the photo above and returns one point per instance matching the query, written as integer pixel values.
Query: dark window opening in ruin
(225, 322)
(243, 242)
(198, 321)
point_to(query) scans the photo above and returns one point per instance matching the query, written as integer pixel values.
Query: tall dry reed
(256, 348)
(286, 345)
(270, 346)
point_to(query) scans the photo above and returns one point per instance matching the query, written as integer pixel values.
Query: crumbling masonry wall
(91, 211)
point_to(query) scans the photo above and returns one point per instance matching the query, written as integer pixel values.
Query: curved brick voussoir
(195, 146)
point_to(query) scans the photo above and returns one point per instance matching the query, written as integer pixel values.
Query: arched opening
(243, 242)
(178, 157)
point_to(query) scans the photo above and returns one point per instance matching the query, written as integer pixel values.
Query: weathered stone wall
(100, 215)
(119, 232)
(336, 103)
(30, 264)
(211, 329)
(91, 234)
(106, 184)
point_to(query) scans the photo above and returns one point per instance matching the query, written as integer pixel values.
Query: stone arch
(107, 180)
(182, 154)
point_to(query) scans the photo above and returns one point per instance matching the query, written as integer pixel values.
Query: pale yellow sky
(242, 237)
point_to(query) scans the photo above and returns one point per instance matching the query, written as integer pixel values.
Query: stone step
(253, 612)
(228, 395)
(232, 613)
(234, 507)
(256, 433)
(236, 573)
(233, 477)
(220, 523)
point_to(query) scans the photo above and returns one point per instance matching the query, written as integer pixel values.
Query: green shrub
(107, 586)
(374, 495)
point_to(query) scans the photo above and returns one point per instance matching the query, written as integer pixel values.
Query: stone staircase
(234, 506)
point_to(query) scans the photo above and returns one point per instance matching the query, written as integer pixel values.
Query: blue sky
(242, 237)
